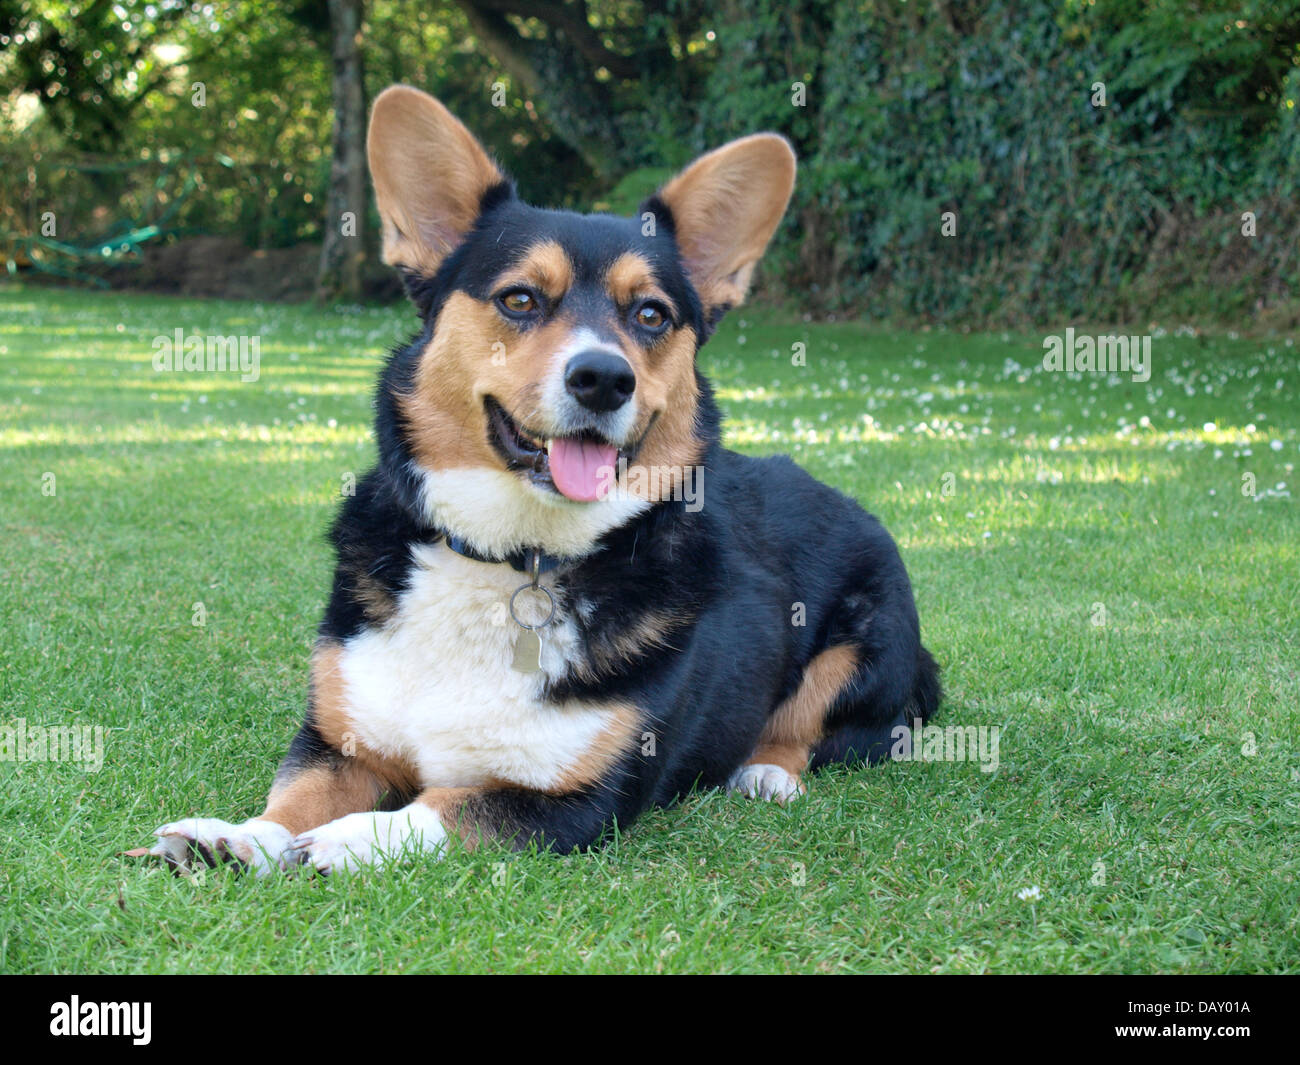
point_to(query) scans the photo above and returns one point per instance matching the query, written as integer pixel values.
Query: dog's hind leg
(773, 770)
(859, 743)
(868, 732)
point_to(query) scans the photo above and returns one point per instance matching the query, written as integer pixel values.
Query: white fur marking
(562, 414)
(498, 513)
(435, 686)
(761, 780)
(370, 839)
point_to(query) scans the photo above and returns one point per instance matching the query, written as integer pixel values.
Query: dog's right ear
(430, 177)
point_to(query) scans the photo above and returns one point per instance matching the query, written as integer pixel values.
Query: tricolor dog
(558, 599)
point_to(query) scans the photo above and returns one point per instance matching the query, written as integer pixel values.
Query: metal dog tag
(528, 644)
(528, 652)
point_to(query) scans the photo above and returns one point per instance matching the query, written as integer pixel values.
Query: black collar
(520, 560)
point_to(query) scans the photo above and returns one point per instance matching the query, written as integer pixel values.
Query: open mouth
(580, 466)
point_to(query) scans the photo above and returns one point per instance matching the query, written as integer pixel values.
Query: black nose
(599, 380)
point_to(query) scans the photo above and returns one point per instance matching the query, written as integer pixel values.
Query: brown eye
(519, 301)
(651, 316)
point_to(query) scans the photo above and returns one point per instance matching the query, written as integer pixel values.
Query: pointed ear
(430, 176)
(725, 206)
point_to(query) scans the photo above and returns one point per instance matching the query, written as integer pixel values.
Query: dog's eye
(518, 302)
(652, 316)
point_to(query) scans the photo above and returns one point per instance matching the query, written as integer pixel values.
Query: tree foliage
(902, 113)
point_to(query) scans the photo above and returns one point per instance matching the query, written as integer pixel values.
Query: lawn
(1091, 571)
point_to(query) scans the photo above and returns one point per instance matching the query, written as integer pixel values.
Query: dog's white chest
(435, 685)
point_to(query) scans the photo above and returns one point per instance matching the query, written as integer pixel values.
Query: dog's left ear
(430, 177)
(725, 207)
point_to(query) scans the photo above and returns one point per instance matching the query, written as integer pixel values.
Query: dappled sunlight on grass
(297, 433)
(1107, 569)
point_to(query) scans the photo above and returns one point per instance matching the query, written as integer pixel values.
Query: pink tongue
(576, 466)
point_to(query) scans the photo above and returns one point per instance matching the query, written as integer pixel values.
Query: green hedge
(986, 110)
(911, 109)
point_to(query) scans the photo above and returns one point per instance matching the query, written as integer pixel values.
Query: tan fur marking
(319, 794)
(545, 266)
(797, 724)
(329, 706)
(446, 422)
(372, 595)
(650, 631)
(631, 278)
(609, 745)
(666, 384)
(449, 805)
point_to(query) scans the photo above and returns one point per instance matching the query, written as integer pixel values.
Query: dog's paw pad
(760, 780)
(367, 840)
(261, 846)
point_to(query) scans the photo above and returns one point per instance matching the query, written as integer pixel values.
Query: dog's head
(558, 349)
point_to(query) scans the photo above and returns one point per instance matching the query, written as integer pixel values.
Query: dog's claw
(257, 845)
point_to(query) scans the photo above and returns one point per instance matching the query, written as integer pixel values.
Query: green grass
(1123, 743)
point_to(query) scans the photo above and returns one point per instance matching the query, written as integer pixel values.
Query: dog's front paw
(760, 780)
(370, 839)
(262, 846)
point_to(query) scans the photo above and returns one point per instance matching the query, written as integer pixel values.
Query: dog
(558, 600)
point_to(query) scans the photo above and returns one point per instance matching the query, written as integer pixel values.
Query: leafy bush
(1094, 158)
(995, 112)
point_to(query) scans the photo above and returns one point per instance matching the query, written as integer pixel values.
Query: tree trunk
(343, 251)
